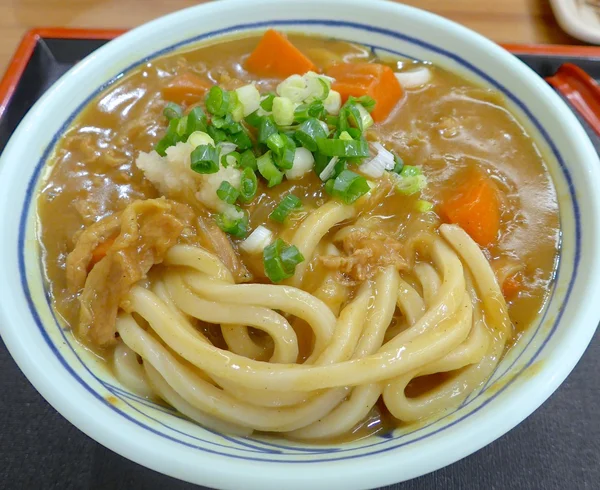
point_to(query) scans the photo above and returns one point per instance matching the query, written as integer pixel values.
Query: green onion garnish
(350, 115)
(283, 150)
(241, 139)
(253, 119)
(268, 170)
(266, 128)
(342, 148)
(291, 257)
(411, 180)
(267, 102)
(347, 186)
(172, 111)
(288, 204)
(280, 260)
(248, 185)
(218, 135)
(283, 111)
(237, 227)
(205, 159)
(423, 206)
(248, 160)
(169, 139)
(227, 192)
(366, 101)
(217, 101)
(399, 164)
(308, 132)
(231, 159)
(306, 111)
(196, 120)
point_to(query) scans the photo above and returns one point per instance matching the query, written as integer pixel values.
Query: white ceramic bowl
(84, 391)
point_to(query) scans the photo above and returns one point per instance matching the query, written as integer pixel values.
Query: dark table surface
(556, 448)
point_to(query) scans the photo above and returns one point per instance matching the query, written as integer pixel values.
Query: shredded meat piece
(144, 232)
(363, 253)
(215, 239)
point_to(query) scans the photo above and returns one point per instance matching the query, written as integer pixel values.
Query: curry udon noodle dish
(291, 235)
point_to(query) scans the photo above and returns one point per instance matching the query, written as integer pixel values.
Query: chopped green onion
(241, 139)
(227, 192)
(354, 133)
(350, 115)
(205, 159)
(267, 102)
(332, 121)
(321, 162)
(249, 98)
(285, 159)
(268, 170)
(348, 186)
(254, 119)
(423, 206)
(236, 108)
(248, 160)
(317, 85)
(218, 135)
(365, 100)
(308, 132)
(172, 111)
(196, 120)
(283, 111)
(399, 164)
(198, 138)
(333, 103)
(411, 180)
(276, 143)
(291, 257)
(182, 125)
(218, 101)
(266, 128)
(285, 207)
(365, 118)
(169, 139)
(280, 260)
(283, 149)
(248, 185)
(342, 148)
(345, 135)
(231, 159)
(306, 111)
(238, 227)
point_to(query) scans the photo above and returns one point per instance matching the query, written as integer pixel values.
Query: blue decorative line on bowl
(252, 445)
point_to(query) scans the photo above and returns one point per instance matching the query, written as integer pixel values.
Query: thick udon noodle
(453, 320)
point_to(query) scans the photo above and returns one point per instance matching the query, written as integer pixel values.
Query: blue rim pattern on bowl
(254, 445)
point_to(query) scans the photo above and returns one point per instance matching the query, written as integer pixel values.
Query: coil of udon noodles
(453, 319)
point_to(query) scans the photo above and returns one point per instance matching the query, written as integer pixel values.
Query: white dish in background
(87, 394)
(578, 18)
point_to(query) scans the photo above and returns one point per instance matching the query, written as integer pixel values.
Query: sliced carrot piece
(475, 207)
(512, 286)
(186, 88)
(373, 79)
(100, 252)
(275, 56)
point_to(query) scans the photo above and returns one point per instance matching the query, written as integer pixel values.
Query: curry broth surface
(448, 127)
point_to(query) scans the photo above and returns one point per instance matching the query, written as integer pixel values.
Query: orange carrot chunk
(186, 88)
(275, 56)
(100, 252)
(372, 79)
(475, 207)
(512, 286)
